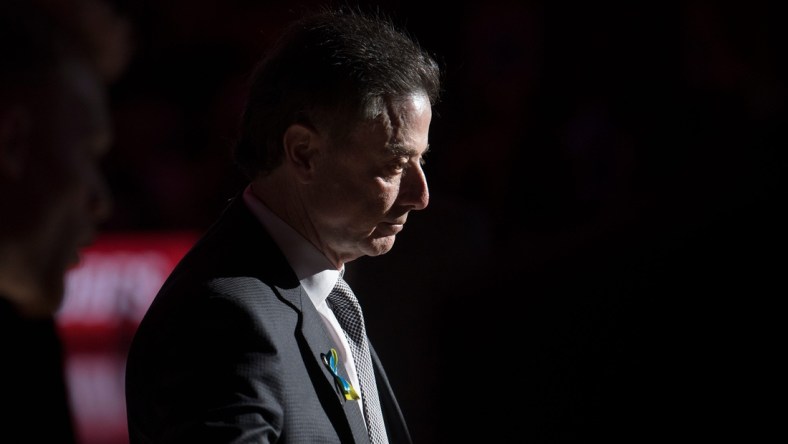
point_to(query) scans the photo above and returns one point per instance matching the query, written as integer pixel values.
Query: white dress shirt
(316, 274)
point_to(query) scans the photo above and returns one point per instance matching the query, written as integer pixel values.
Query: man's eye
(399, 164)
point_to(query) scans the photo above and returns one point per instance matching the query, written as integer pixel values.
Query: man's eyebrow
(401, 150)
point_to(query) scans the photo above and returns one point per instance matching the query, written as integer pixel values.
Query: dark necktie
(348, 312)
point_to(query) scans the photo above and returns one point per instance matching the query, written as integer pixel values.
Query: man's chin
(380, 245)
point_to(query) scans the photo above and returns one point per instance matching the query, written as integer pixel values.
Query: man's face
(366, 188)
(68, 196)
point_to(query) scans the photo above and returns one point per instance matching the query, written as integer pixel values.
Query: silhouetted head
(54, 128)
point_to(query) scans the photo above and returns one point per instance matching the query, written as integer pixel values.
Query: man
(53, 131)
(247, 341)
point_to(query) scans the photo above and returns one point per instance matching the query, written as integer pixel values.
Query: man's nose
(414, 190)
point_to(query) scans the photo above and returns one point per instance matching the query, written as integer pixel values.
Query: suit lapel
(251, 238)
(396, 428)
(316, 343)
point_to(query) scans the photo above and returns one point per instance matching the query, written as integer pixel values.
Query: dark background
(603, 254)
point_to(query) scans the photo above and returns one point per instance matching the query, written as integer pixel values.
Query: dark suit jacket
(230, 352)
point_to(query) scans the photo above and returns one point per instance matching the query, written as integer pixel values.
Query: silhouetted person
(54, 129)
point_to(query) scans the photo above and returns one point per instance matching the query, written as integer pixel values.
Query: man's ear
(302, 144)
(14, 140)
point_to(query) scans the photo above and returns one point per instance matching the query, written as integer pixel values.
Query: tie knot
(347, 309)
(343, 298)
(341, 291)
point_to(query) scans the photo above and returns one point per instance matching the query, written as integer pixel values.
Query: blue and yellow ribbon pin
(331, 360)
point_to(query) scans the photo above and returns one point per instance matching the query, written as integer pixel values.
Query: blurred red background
(106, 296)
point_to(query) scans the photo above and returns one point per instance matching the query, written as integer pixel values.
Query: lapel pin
(330, 360)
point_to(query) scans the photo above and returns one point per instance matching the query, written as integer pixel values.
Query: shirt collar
(314, 271)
